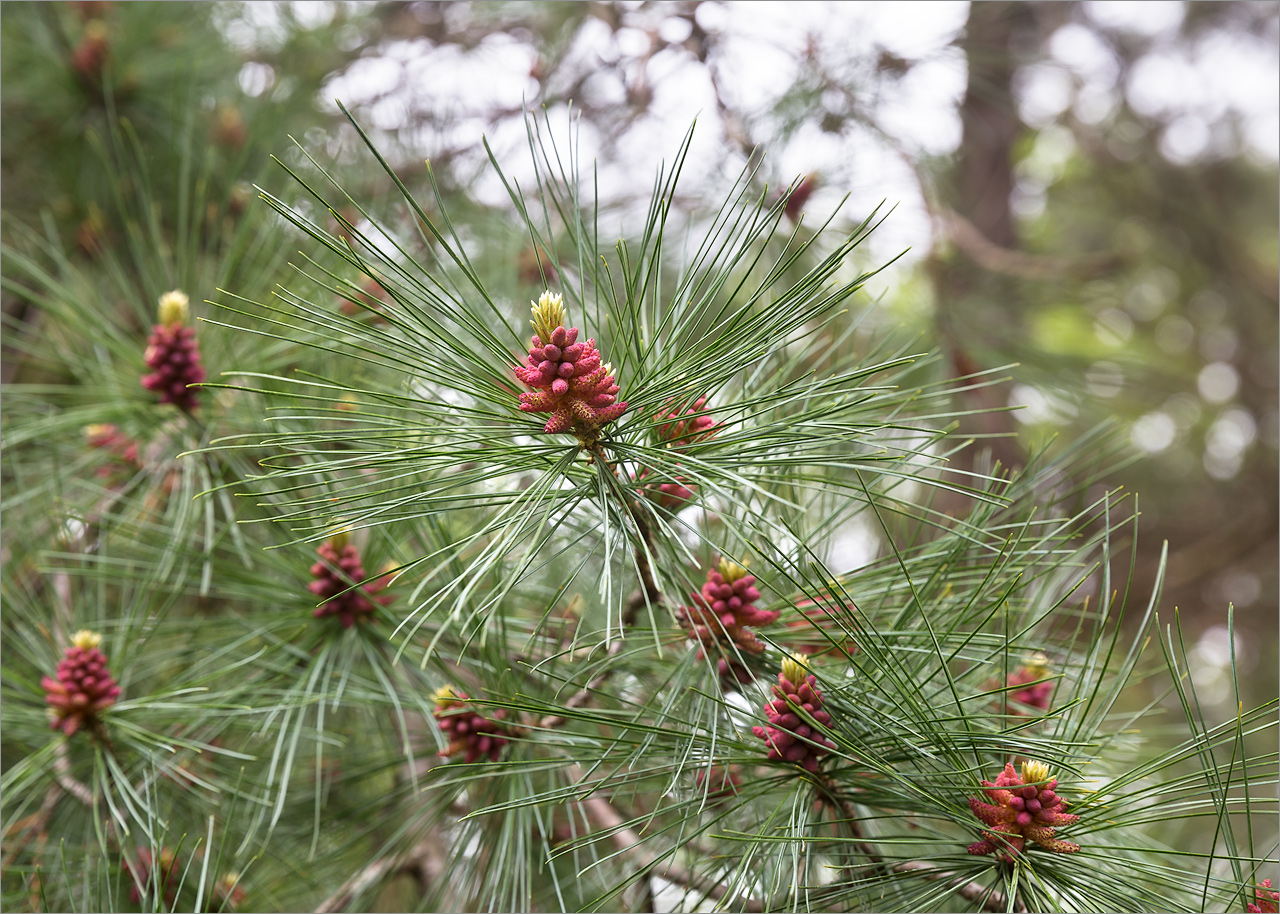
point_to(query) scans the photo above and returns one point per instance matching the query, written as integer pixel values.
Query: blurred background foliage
(1088, 189)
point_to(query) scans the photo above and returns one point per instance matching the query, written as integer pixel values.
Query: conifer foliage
(418, 612)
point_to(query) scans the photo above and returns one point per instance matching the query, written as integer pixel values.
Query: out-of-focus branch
(425, 861)
(1218, 550)
(997, 259)
(62, 773)
(851, 820)
(970, 891)
(31, 826)
(357, 884)
(34, 825)
(604, 816)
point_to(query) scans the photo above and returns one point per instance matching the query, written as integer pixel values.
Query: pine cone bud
(470, 733)
(724, 610)
(1029, 684)
(675, 493)
(795, 668)
(174, 308)
(679, 427)
(338, 570)
(122, 449)
(670, 495)
(676, 429)
(719, 782)
(228, 893)
(548, 314)
(789, 735)
(173, 355)
(567, 378)
(145, 879)
(83, 686)
(1265, 901)
(1023, 806)
(90, 56)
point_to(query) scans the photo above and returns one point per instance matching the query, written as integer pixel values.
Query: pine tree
(432, 584)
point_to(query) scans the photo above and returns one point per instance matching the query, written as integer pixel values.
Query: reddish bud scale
(145, 879)
(569, 380)
(733, 672)
(789, 736)
(472, 734)
(174, 357)
(1017, 812)
(335, 573)
(1265, 901)
(670, 495)
(734, 601)
(675, 493)
(83, 687)
(799, 196)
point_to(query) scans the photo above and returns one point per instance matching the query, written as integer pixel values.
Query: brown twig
(62, 774)
(35, 824)
(604, 816)
(425, 861)
(851, 819)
